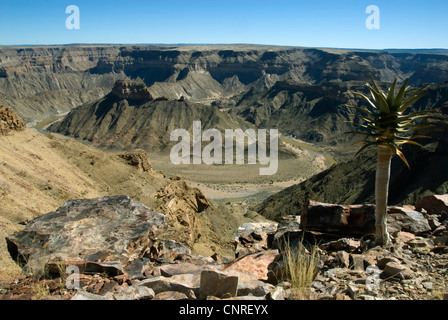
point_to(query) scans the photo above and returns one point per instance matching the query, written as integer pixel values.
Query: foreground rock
(108, 230)
(343, 267)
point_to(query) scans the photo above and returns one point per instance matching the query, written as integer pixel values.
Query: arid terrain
(90, 121)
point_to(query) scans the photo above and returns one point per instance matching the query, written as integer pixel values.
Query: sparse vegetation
(299, 269)
(40, 290)
(389, 129)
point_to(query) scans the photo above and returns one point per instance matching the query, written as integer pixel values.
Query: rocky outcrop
(138, 159)
(10, 121)
(181, 204)
(134, 91)
(108, 230)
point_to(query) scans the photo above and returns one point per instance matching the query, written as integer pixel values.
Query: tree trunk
(381, 194)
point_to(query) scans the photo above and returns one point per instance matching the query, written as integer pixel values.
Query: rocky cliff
(42, 81)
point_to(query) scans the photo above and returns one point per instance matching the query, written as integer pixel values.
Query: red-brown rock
(340, 219)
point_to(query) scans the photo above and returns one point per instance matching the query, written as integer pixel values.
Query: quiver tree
(385, 125)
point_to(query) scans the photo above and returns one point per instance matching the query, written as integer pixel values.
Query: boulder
(392, 269)
(339, 219)
(257, 264)
(403, 219)
(382, 262)
(217, 284)
(345, 244)
(183, 283)
(433, 204)
(113, 230)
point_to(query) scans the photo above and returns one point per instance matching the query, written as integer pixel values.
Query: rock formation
(134, 91)
(109, 230)
(138, 159)
(181, 204)
(10, 121)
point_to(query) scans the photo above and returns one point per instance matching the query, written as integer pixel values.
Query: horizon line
(214, 44)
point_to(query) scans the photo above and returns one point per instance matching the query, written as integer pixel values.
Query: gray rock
(253, 287)
(278, 293)
(392, 269)
(97, 230)
(401, 219)
(170, 249)
(253, 237)
(134, 293)
(184, 283)
(218, 284)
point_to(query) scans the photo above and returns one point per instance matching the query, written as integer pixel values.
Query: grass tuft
(299, 269)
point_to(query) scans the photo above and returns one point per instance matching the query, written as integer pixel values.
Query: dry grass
(299, 269)
(440, 292)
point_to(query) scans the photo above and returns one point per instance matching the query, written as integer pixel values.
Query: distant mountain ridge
(41, 81)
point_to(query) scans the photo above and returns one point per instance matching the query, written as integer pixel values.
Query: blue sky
(315, 23)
